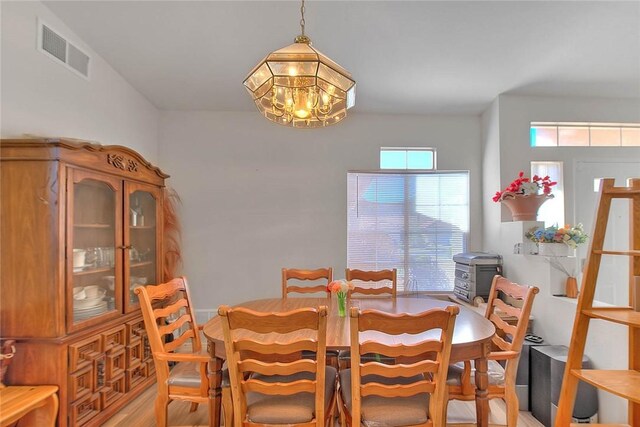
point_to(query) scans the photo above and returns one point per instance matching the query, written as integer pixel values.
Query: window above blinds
(414, 222)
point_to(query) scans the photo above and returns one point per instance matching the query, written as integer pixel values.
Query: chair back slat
(395, 324)
(170, 309)
(263, 323)
(173, 326)
(386, 280)
(399, 370)
(422, 376)
(276, 348)
(325, 275)
(501, 343)
(400, 390)
(507, 309)
(278, 368)
(399, 350)
(502, 325)
(249, 335)
(180, 341)
(279, 389)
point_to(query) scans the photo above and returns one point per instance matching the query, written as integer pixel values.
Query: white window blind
(414, 222)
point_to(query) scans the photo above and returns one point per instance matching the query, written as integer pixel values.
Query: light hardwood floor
(139, 413)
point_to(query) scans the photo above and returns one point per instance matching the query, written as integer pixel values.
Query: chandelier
(300, 87)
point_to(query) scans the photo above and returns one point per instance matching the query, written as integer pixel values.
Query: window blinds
(414, 222)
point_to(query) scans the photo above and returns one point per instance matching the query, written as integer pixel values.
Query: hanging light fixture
(300, 87)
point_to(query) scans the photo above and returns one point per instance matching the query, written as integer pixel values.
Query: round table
(471, 337)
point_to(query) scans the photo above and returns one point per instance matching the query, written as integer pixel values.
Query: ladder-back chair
(411, 392)
(513, 300)
(187, 380)
(268, 385)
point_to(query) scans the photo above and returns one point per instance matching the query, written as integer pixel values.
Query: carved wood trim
(121, 162)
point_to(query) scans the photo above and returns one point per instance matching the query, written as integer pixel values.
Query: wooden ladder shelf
(623, 383)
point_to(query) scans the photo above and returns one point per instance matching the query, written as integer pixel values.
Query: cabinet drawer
(134, 354)
(81, 383)
(83, 353)
(134, 329)
(115, 363)
(83, 410)
(114, 390)
(114, 339)
(135, 376)
(150, 369)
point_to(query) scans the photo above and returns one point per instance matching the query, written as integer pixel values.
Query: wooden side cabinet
(81, 227)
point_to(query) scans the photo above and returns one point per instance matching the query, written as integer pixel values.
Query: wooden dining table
(471, 338)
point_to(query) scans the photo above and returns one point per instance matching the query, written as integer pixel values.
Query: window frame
(406, 150)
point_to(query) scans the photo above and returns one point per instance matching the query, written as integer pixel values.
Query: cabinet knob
(125, 247)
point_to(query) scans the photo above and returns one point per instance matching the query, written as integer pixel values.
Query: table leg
(215, 389)
(482, 384)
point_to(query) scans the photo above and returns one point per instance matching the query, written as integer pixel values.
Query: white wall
(516, 153)
(607, 344)
(41, 97)
(490, 174)
(258, 196)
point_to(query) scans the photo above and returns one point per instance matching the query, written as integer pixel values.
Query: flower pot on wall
(524, 208)
(554, 249)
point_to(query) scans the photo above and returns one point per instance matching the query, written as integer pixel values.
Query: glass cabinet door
(93, 258)
(142, 235)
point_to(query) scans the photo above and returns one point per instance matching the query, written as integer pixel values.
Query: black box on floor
(523, 376)
(547, 369)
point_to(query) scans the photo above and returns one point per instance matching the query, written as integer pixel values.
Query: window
(552, 211)
(585, 134)
(414, 222)
(407, 158)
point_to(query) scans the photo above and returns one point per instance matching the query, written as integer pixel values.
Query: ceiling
(408, 57)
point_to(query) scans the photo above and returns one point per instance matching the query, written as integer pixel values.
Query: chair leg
(445, 408)
(194, 407)
(227, 407)
(513, 408)
(161, 407)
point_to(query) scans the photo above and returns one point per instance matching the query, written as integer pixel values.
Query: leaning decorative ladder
(624, 383)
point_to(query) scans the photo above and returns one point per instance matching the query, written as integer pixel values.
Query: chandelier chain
(302, 19)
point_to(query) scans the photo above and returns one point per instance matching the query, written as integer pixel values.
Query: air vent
(78, 60)
(57, 47)
(54, 44)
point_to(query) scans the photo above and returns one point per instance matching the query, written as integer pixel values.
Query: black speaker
(523, 376)
(547, 370)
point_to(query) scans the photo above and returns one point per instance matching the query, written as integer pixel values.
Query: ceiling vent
(57, 47)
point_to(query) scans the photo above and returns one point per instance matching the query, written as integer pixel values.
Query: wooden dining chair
(513, 300)
(187, 380)
(324, 275)
(270, 382)
(413, 391)
(377, 282)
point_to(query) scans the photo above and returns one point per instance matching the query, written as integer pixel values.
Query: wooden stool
(33, 405)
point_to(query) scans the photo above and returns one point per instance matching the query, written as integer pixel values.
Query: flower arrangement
(526, 186)
(570, 235)
(340, 288)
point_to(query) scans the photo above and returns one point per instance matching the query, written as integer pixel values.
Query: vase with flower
(557, 241)
(340, 288)
(524, 196)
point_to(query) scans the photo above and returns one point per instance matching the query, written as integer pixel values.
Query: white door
(612, 286)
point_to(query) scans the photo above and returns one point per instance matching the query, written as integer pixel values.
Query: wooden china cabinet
(81, 227)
